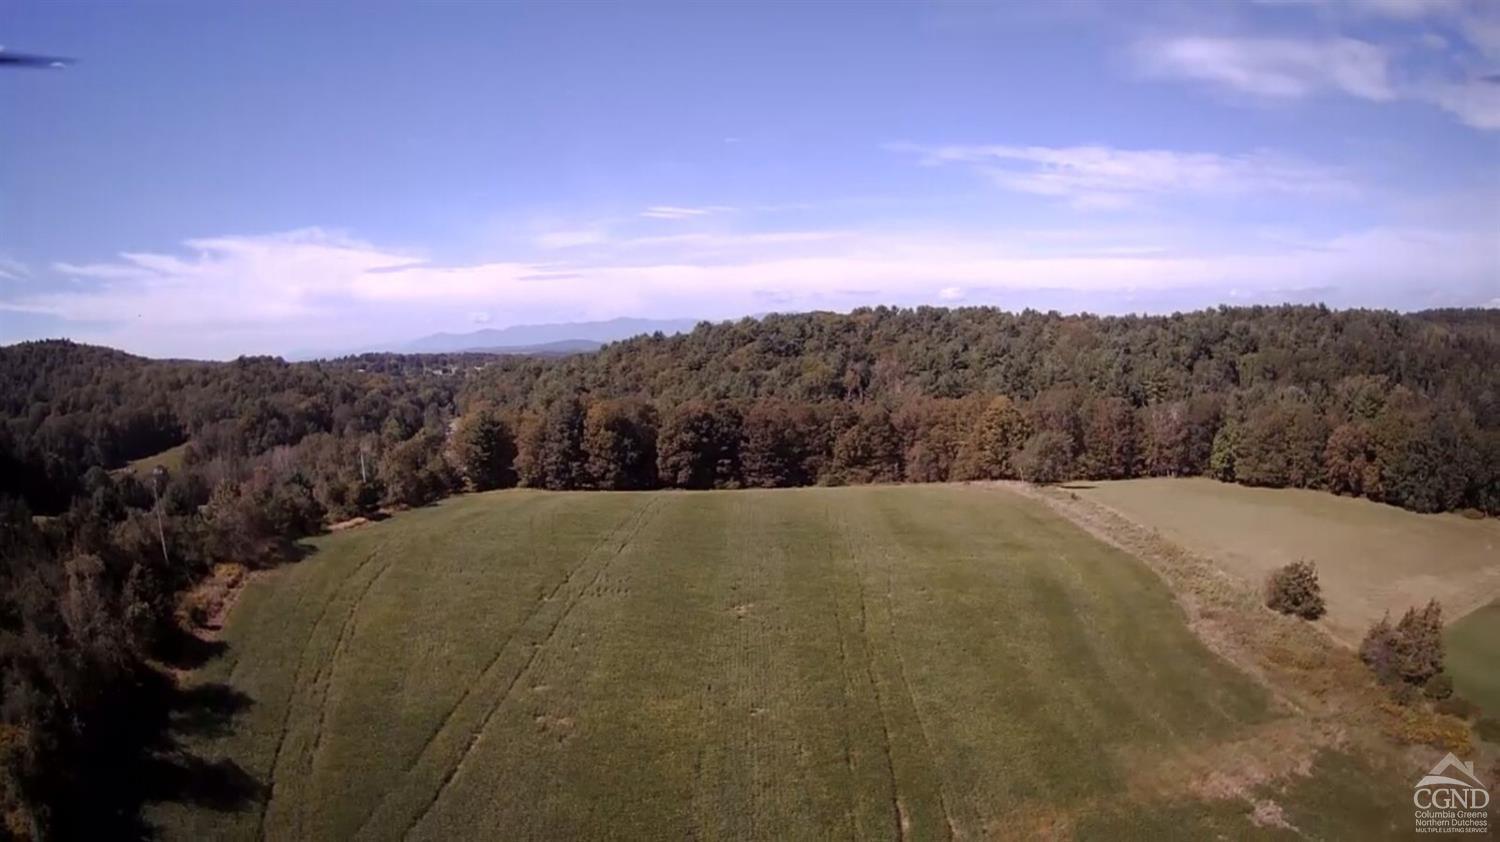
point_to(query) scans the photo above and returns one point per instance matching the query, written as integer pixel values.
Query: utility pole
(158, 477)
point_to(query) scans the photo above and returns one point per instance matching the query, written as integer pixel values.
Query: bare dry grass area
(1371, 558)
(921, 662)
(1340, 715)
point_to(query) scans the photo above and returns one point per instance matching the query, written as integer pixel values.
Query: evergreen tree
(550, 452)
(484, 450)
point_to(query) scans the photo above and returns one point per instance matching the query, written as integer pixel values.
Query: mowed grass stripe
(402, 684)
(1067, 646)
(441, 758)
(877, 662)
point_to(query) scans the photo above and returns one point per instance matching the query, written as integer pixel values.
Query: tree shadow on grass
(146, 751)
(141, 755)
(184, 650)
(1076, 486)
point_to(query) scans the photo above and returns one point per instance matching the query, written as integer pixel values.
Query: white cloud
(1273, 67)
(1105, 178)
(269, 294)
(703, 241)
(679, 212)
(571, 238)
(1455, 69)
(13, 270)
(1476, 102)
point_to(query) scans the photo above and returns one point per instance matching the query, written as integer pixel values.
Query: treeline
(1400, 409)
(1370, 439)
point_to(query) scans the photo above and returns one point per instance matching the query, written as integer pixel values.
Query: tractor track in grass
(542, 601)
(643, 516)
(911, 698)
(898, 811)
(325, 676)
(901, 673)
(634, 519)
(846, 684)
(291, 696)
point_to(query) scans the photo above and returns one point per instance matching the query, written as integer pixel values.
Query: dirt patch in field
(1032, 821)
(559, 728)
(1233, 769)
(1268, 813)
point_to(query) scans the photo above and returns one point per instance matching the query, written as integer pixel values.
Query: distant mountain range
(574, 335)
(560, 348)
(547, 339)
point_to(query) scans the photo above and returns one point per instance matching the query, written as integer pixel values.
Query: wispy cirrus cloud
(1273, 67)
(13, 270)
(1455, 71)
(680, 212)
(1475, 101)
(572, 238)
(1103, 177)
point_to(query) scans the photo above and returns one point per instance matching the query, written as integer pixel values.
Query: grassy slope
(794, 664)
(1371, 558)
(171, 459)
(1473, 645)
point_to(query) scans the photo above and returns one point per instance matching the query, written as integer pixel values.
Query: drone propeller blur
(10, 59)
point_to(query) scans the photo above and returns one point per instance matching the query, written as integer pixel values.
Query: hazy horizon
(210, 182)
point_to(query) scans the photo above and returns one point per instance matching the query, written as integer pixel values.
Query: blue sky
(210, 180)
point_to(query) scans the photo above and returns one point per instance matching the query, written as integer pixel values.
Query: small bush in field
(1410, 653)
(1405, 694)
(1378, 651)
(1457, 706)
(1294, 589)
(1438, 687)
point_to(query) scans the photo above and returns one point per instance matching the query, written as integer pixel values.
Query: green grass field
(1473, 645)
(879, 662)
(171, 459)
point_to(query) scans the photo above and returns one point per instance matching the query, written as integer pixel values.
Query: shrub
(1416, 726)
(1457, 706)
(1294, 589)
(1410, 652)
(1438, 687)
(1419, 637)
(1405, 694)
(1378, 651)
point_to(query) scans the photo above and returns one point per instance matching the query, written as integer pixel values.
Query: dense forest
(1403, 409)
